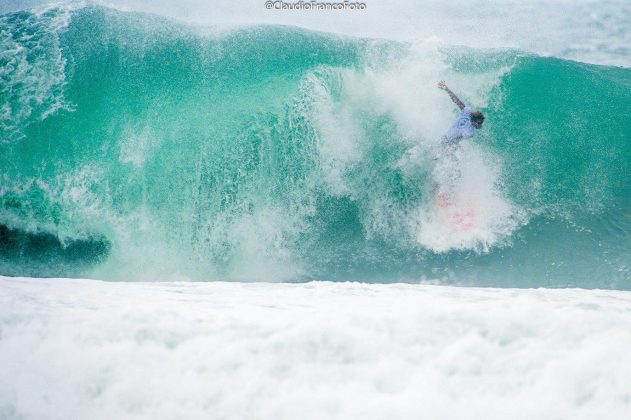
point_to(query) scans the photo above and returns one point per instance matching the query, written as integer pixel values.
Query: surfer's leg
(447, 173)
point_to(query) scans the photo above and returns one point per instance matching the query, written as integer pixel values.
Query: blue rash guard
(461, 129)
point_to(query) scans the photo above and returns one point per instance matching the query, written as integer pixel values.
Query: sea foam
(89, 349)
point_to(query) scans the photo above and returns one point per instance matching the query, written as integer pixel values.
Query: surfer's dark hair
(477, 116)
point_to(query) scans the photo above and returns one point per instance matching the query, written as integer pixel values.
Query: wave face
(134, 147)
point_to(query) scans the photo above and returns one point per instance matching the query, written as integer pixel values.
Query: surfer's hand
(442, 85)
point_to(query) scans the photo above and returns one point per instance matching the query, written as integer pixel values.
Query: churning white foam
(95, 350)
(467, 209)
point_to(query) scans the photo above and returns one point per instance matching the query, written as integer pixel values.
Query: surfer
(465, 125)
(448, 167)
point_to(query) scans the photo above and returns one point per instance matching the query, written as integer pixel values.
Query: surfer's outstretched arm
(457, 101)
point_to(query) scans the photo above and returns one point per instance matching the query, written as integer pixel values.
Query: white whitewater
(95, 350)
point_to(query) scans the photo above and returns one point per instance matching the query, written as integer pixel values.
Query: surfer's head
(477, 118)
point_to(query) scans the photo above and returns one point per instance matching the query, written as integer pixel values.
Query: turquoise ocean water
(136, 147)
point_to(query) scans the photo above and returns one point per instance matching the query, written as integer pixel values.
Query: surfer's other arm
(457, 101)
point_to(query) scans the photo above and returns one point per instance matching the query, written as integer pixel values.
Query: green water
(134, 147)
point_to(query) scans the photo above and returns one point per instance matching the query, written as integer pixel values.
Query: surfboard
(461, 218)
